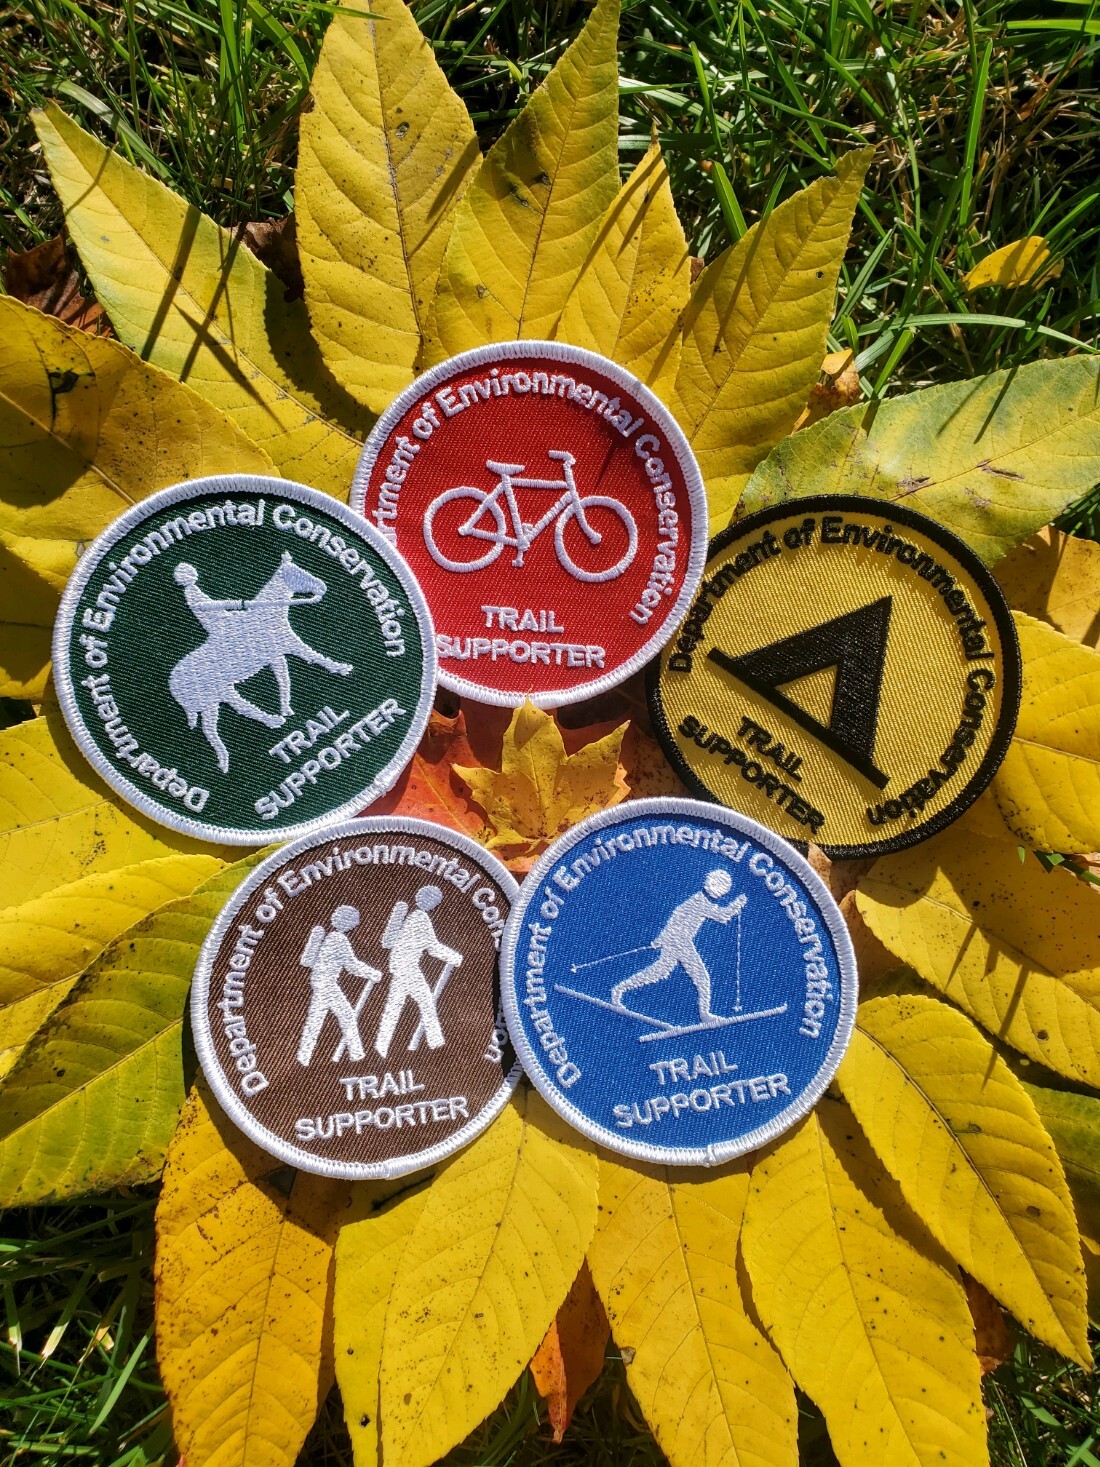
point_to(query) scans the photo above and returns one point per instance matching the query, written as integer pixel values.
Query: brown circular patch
(346, 1003)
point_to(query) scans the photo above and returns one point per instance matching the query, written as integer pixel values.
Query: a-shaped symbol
(242, 638)
(855, 645)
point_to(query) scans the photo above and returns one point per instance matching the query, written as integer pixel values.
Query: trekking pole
(368, 987)
(437, 994)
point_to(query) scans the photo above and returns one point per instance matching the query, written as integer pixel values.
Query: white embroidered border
(200, 1010)
(560, 352)
(252, 484)
(830, 915)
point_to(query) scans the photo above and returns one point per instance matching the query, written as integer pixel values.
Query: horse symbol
(243, 637)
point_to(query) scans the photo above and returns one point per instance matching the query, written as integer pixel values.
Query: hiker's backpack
(395, 924)
(312, 950)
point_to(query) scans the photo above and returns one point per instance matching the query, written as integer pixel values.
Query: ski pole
(626, 953)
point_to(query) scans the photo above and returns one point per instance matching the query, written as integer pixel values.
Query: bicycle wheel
(625, 522)
(449, 529)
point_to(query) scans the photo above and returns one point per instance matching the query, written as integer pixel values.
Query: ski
(613, 1008)
(674, 1031)
(664, 1029)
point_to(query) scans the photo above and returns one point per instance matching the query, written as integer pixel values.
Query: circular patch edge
(832, 917)
(685, 457)
(200, 992)
(1012, 671)
(135, 796)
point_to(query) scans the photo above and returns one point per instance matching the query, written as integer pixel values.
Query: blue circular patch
(679, 983)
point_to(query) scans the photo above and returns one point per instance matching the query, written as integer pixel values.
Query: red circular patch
(550, 508)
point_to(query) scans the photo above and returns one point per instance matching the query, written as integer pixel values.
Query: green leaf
(59, 822)
(527, 220)
(1073, 1121)
(954, 1127)
(46, 943)
(384, 157)
(190, 298)
(993, 459)
(754, 332)
(95, 1097)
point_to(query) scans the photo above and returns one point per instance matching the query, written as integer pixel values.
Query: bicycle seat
(504, 470)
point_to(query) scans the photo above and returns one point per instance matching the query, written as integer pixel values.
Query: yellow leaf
(368, 1254)
(533, 209)
(540, 790)
(243, 1290)
(993, 459)
(46, 943)
(754, 332)
(664, 1258)
(954, 1127)
(1048, 788)
(93, 1101)
(1015, 946)
(1056, 578)
(384, 156)
(627, 300)
(87, 429)
(58, 822)
(32, 576)
(486, 1268)
(189, 297)
(1023, 262)
(866, 1310)
(1073, 1121)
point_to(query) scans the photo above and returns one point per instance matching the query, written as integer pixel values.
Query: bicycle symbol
(570, 508)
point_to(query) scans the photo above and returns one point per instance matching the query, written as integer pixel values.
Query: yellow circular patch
(849, 675)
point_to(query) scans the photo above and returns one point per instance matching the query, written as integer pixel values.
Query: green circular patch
(244, 659)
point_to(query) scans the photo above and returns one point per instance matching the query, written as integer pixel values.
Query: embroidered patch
(550, 508)
(346, 1004)
(849, 675)
(244, 659)
(678, 982)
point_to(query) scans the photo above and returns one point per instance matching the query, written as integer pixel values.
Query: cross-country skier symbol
(675, 944)
(242, 638)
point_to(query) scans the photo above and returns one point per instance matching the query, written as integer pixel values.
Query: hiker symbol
(346, 1004)
(678, 982)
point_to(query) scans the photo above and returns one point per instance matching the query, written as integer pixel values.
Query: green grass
(986, 119)
(78, 1381)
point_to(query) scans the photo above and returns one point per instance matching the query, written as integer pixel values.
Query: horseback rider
(327, 961)
(676, 942)
(210, 614)
(413, 941)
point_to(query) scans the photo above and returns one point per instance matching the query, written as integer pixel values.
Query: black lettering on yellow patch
(848, 674)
